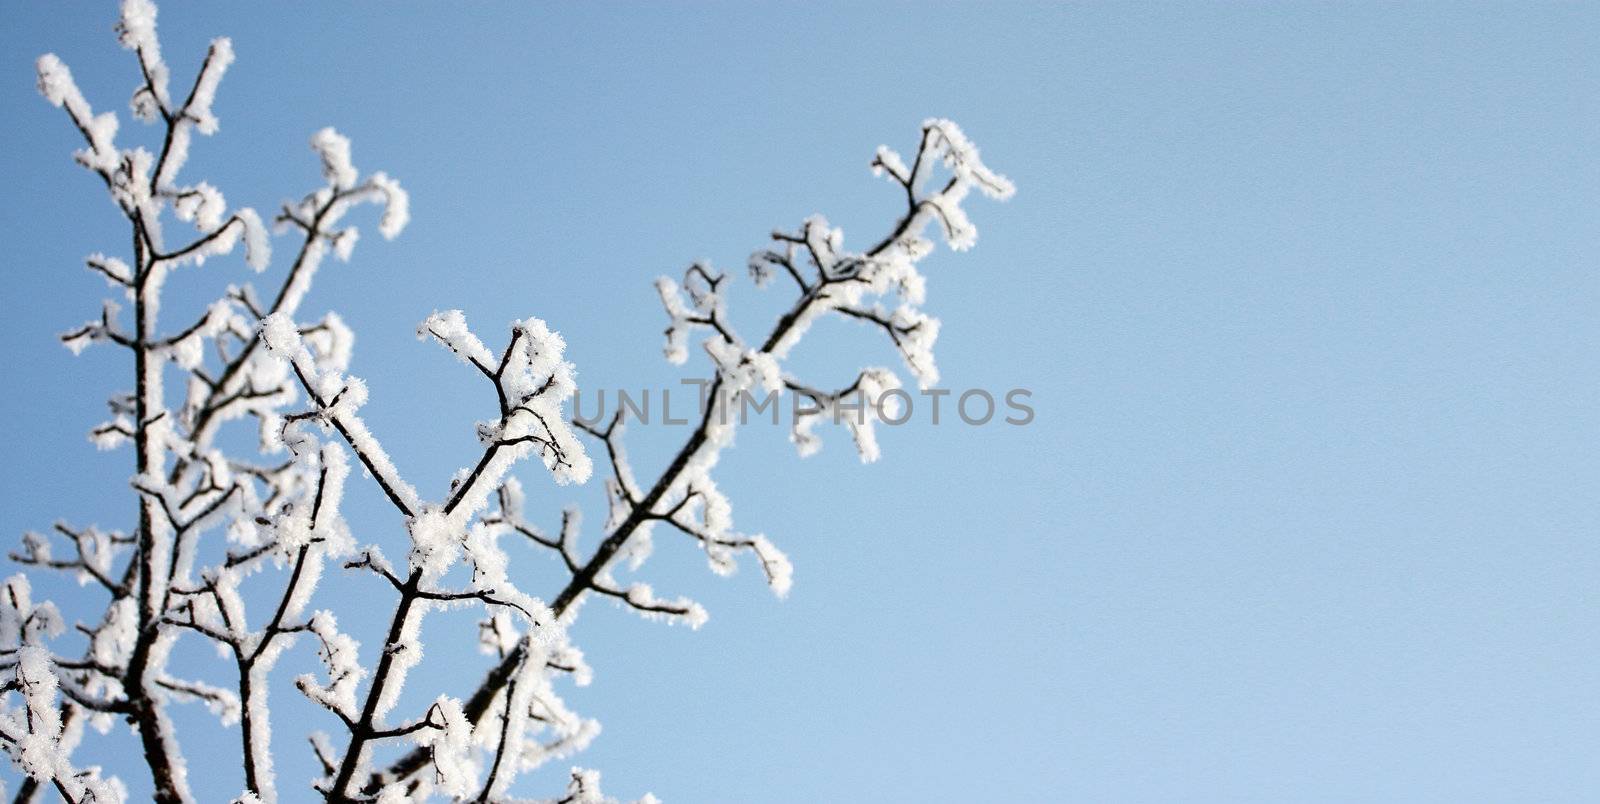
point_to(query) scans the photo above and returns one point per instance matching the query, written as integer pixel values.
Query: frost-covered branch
(532, 382)
(683, 494)
(230, 549)
(184, 487)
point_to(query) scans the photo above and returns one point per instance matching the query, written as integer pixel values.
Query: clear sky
(1306, 296)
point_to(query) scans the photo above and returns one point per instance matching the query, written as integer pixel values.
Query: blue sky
(1306, 296)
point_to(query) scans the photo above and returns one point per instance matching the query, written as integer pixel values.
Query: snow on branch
(827, 278)
(281, 516)
(859, 407)
(228, 541)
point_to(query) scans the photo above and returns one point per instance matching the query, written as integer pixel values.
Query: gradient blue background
(1307, 297)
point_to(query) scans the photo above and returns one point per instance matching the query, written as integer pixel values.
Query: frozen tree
(229, 546)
